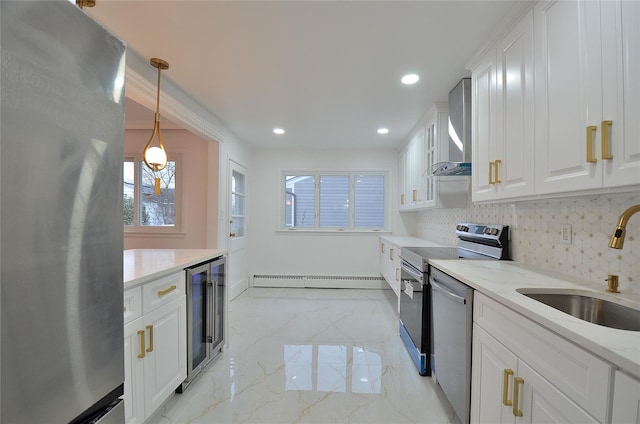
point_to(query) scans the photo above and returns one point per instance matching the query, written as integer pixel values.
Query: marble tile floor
(311, 356)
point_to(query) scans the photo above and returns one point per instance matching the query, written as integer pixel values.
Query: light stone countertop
(142, 265)
(500, 279)
(407, 241)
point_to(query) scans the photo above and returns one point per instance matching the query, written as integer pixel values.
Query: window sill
(331, 232)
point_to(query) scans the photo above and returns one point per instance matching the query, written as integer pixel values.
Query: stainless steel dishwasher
(452, 326)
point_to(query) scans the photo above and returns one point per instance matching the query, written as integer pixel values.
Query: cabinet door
(541, 402)
(165, 364)
(626, 399)
(515, 106)
(621, 91)
(490, 363)
(430, 152)
(404, 179)
(134, 372)
(568, 95)
(484, 151)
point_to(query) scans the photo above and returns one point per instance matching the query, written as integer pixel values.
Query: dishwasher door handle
(451, 295)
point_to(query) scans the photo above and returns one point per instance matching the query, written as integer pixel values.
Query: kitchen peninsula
(163, 300)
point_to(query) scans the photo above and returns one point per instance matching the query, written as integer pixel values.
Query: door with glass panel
(237, 250)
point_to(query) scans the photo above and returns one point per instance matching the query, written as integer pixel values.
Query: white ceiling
(328, 72)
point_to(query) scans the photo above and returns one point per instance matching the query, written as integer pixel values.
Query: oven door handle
(451, 295)
(415, 274)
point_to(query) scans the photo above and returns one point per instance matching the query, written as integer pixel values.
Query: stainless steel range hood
(459, 133)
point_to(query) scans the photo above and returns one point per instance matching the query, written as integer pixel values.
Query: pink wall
(197, 193)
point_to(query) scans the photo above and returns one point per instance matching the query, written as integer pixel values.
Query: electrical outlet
(566, 234)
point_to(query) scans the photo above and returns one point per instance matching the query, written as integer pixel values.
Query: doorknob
(232, 234)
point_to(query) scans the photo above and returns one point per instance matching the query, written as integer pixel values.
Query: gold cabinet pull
(150, 329)
(167, 290)
(415, 195)
(402, 199)
(497, 162)
(141, 334)
(591, 158)
(606, 134)
(516, 395)
(390, 254)
(505, 387)
(397, 274)
(381, 247)
(490, 173)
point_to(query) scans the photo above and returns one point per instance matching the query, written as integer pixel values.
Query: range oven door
(415, 316)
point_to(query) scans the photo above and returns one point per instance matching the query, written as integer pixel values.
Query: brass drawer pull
(508, 372)
(142, 350)
(497, 180)
(591, 158)
(150, 328)
(606, 146)
(167, 290)
(516, 396)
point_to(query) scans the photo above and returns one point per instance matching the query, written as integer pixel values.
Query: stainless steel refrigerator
(61, 152)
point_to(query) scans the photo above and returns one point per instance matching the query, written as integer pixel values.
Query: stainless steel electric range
(475, 241)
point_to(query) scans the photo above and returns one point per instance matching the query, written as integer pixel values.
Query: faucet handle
(612, 281)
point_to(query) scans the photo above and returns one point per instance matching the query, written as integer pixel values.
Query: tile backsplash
(536, 233)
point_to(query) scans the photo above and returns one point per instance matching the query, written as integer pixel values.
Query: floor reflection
(332, 368)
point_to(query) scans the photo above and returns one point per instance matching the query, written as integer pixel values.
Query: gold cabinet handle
(381, 247)
(497, 162)
(150, 329)
(606, 146)
(415, 195)
(167, 290)
(141, 334)
(591, 158)
(402, 199)
(516, 395)
(491, 180)
(390, 254)
(505, 387)
(397, 274)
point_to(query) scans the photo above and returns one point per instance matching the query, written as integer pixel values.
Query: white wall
(292, 253)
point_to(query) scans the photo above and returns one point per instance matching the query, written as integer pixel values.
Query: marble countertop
(407, 241)
(142, 265)
(500, 280)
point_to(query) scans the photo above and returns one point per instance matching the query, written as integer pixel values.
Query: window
(334, 201)
(142, 207)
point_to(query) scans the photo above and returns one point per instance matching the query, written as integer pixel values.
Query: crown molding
(143, 91)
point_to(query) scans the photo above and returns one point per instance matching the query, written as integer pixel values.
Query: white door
(237, 278)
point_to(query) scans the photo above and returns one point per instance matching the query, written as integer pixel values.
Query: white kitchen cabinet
(411, 192)
(587, 60)
(555, 380)
(626, 399)
(155, 346)
(503, 89)
(428, 146)
(389, 255)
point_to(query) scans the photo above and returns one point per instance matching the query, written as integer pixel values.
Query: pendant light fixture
(155, 157)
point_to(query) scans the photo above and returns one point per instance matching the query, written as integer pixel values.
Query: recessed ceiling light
(410, 79)
(278, 131)
(383, 130)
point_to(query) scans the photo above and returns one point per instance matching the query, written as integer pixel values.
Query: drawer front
(132, 304)
(583, 377)
(162, 291)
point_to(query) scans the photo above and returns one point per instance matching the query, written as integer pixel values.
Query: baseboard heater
(320, 281)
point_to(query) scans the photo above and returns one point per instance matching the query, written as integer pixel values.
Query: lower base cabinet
(523, 373)
(155, 349)
(626, 399)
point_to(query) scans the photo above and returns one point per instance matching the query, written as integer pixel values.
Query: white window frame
(137, 229)
(280, 225)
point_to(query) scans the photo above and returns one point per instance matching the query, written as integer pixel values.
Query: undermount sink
(587, 306)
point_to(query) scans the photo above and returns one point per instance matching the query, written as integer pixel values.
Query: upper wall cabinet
(587, 91)
(503, 103)
(430, 145)
(575, 128)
